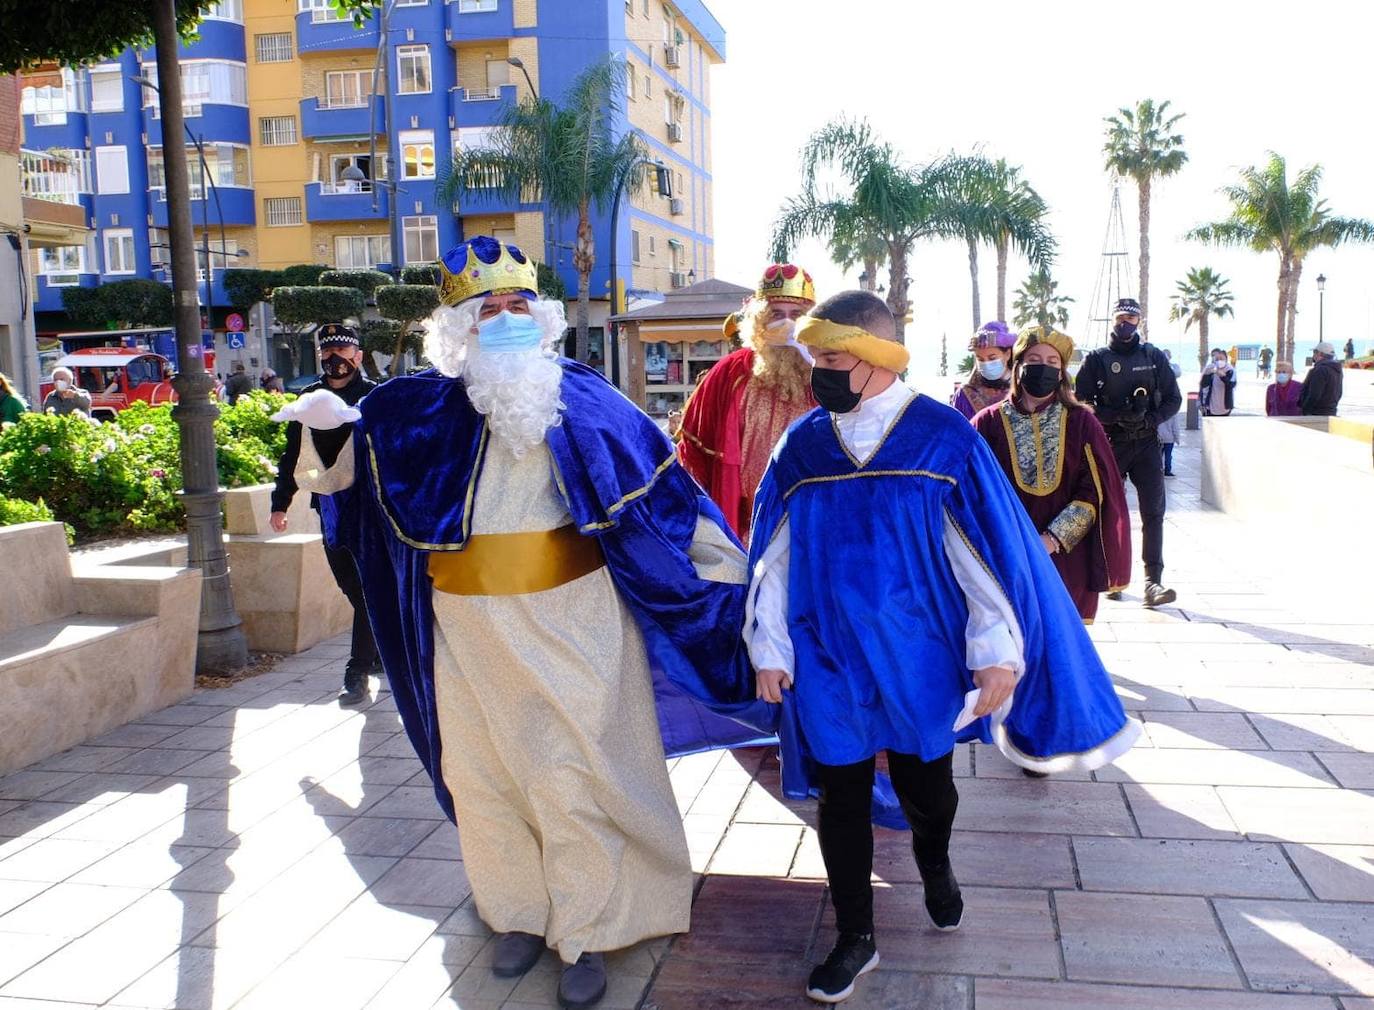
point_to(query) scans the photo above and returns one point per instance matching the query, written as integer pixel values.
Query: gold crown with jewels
(483, 266)
(786, 282)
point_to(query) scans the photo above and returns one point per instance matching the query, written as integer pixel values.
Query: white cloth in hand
(319, 409)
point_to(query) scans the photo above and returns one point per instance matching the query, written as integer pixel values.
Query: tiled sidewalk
(258, 847)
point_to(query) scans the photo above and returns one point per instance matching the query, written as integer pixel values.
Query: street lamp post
(1321, 306)
(519, 64)
(221, 645)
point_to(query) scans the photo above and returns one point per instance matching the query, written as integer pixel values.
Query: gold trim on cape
(512, 564)
(420, 545)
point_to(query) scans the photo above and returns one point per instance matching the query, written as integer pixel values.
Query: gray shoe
(584, 983)
(1157, 596)
(516, 953)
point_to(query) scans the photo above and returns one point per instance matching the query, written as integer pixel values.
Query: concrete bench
(84, 649)
(283, 588)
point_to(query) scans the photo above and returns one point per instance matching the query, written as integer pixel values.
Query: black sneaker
(832, 981)
(1116, 595)
(354, 690)
(1157, 596)
(944, 902)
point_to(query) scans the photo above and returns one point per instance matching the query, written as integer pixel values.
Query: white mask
(61, 385)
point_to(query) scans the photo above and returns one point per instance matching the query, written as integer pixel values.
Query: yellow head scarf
(1032, 335)
(823, 335)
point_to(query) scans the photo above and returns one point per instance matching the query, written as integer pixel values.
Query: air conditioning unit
(675, 207)
(675, 132)
(677, 279)
(671, 57)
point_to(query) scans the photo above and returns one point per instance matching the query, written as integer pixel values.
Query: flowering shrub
(13, 512)
(123, 476)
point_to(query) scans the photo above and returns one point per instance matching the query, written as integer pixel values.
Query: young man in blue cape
(542, 577)
(894, 574)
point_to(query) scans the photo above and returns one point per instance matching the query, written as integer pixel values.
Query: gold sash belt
(511, 564)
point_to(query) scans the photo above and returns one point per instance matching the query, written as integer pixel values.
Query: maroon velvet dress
(1060, 463)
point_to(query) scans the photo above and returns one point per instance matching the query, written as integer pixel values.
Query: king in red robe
(1057, 457)
(750, 397)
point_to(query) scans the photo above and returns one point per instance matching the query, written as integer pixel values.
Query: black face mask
(830, 386)
(338, 368)
(1124, 336)
(1040, 380)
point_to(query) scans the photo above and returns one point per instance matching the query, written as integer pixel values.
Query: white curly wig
(518, 391)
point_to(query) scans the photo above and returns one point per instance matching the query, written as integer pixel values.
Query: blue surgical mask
(1282, 378)
(992, 370)
(509, 332)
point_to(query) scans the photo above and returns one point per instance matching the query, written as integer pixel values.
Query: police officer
(1132, 388)
(341, 361)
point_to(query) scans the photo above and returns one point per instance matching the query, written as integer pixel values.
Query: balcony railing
(482, 94)
(45, 177)
(345, 102)
(346, 187)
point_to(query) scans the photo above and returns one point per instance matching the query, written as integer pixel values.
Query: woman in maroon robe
(1057, 456)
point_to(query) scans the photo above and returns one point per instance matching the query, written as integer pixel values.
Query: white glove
(319, 409)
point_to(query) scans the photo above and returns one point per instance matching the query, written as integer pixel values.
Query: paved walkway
(257, 847)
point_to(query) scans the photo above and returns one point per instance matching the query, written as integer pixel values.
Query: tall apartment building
(287, 101)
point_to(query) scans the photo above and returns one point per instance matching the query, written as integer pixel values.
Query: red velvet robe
(729, 429)
(1061, 465)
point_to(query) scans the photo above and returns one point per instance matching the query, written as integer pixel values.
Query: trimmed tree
(366, 281)
(301, 275)
(298, 309)
(120, 304)
(406, 305)
(420, 273)
(246, 287)
(378, 336)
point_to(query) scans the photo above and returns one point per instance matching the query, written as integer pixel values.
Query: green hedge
(123, 476)
(14, 512)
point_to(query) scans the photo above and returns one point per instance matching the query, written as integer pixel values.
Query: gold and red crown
(483, 266)
(786, 282)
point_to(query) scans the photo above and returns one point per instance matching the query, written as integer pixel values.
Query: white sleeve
(765, 608)
(993, 634)
(312, 475)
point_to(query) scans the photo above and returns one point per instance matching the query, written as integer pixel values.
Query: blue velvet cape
(419, 448)
(878, 620)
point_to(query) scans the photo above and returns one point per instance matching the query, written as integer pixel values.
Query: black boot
(354, 687)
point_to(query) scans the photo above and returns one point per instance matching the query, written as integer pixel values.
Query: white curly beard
(517, 391)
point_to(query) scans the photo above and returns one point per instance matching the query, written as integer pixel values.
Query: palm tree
(1142, 144)
(566, 156)
(888, 199)
(987, 202)
(1036, 302)
(865, 247)
(1201, 295)
(1270, 215)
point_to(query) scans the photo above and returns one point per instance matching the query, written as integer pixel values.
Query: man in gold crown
(750, 397)
(541, 576)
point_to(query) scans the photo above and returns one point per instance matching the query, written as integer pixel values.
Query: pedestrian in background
(1266, 359)
(1350, 349)
(1168, 438)
(66, 396)
(12, 405)
(1217, 391)
(341, 360)
(1132, 389)
(239, 383)
(1321, 390)
(990, 380)
(1284, 395)
(271, 382)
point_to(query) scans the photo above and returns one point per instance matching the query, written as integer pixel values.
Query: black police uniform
(1132, 392)
(363, 652)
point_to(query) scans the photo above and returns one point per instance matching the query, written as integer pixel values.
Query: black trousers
(363, 650)
(926, 792)
(1139, 460)
(1167, 448)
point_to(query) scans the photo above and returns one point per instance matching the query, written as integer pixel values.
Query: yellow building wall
(527, 13)
(528, 51)
(472, 63)
(274, 89)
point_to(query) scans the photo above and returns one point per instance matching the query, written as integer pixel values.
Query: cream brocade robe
(551, 745)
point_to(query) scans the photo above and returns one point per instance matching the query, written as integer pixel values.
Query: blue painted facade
(570, 36)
